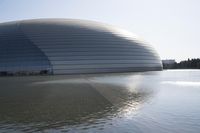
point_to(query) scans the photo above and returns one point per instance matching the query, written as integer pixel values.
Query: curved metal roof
(73, 46)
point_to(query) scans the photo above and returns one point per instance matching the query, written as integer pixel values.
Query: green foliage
(187, 64)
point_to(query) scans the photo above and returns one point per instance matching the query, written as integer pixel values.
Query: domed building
(70, 46)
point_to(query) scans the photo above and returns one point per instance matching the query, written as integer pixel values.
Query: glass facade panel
(18, 55)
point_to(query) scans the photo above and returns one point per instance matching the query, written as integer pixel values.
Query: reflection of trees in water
(49, 106)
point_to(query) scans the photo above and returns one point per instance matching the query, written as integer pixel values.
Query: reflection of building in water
(57, 101)
(67, 46)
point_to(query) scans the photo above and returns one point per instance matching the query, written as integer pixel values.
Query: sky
(172, 27)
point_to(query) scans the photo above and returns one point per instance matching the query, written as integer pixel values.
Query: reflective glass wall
(18, 55)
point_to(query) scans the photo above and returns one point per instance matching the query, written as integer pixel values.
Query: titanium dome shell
(71, 46)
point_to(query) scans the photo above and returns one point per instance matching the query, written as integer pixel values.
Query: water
(164, 102)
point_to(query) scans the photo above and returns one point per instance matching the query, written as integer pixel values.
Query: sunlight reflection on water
(182, 83)
(128, 102)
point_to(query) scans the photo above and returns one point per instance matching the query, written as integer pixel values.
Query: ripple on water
(133, 102)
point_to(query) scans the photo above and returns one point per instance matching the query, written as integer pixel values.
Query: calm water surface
(164, 102)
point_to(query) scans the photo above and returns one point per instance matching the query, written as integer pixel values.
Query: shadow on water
(42, 103)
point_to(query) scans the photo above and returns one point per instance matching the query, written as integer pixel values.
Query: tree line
(186, 64)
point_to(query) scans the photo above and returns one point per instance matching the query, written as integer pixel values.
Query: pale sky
(171, 26)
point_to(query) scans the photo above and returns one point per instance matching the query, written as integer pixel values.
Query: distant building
(168, 61)
(168, 64)
(68, 46)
